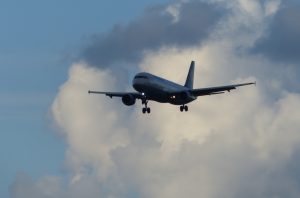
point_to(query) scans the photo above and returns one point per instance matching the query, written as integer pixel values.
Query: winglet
(190, 77)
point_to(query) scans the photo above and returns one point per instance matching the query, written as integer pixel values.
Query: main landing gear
(145, 109)
(184, 107)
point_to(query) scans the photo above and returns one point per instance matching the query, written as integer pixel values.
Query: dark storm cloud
(155, 28)
(283, 42)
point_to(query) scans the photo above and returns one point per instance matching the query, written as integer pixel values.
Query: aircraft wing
(117, 94)
(217, 90)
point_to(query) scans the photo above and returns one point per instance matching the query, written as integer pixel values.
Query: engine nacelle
(128, 99)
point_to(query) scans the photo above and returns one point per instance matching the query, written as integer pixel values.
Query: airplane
(153, 88)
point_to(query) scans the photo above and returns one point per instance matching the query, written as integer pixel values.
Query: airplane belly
(155, 92)
(152, 91)
(156, 95)
(180, 101)
(159, 91)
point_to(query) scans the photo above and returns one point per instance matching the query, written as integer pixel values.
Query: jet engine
(128, 99)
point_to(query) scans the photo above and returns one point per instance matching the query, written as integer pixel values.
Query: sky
(57, 141)
(38, 40)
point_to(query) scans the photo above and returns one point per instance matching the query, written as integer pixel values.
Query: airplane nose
(134, 83)
(137, 85)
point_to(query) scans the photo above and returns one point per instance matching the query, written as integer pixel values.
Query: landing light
(143, 94)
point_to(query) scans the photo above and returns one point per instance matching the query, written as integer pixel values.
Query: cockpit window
(144, 77)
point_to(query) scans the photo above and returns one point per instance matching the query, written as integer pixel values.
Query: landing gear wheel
(144, 110)
(148, 110)
(181, 108)
(186, 108)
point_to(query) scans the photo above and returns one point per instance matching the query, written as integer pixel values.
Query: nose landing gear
(184, 107)
(145, 109)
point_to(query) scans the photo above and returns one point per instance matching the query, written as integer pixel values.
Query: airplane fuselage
(161, 90)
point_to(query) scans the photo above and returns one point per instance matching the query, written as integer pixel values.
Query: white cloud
(89, 140)
(230, 145)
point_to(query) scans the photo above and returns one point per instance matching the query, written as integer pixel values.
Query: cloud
(155, 28)
(66, 115)
(283, 42)
(240, 144)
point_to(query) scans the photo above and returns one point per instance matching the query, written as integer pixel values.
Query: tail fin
(190, 77)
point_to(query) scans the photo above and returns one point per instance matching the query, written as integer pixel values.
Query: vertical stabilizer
(190, 77)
